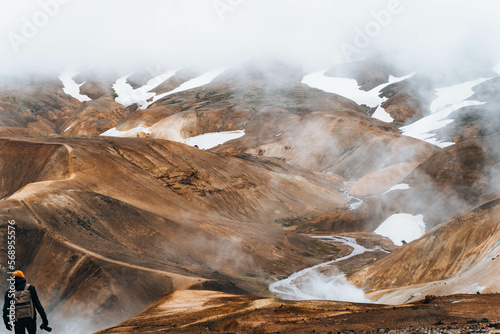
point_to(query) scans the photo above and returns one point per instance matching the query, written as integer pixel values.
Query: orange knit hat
(18, 273)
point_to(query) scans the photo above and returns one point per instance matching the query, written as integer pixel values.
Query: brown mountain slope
(342, 143)
(23, 164)
(34, 108)
(451, 182)
(282, 119)
(460, 255)
(40, 107)
(164, 214)
(94, 117)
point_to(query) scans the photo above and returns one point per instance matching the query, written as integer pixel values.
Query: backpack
(24, 304)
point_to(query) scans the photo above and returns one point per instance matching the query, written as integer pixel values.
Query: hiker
(22, 311)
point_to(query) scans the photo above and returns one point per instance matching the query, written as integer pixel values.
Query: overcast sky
(54, 34)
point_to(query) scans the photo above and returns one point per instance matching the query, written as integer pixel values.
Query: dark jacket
(20, 283)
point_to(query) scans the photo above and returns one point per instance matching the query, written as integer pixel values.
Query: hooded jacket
(20, 283)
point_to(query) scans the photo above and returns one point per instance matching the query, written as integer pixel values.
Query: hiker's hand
(8, 326)
(45, 323)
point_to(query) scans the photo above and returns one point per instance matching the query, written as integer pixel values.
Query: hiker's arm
(6, 304)
(38, 305)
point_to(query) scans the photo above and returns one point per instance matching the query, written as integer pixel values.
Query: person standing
(26, 305)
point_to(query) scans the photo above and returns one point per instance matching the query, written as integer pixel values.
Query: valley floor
(195, 311)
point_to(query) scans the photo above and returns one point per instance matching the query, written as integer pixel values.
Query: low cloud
(51, 35)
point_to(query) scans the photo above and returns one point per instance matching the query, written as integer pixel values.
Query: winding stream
(311, 284)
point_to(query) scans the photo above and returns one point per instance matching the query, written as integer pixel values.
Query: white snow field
(310, 284)
(213, 139)
(402, 226)
(349, 88)
(127, 95)
(401, 186)
(71, 87)
(449, 100)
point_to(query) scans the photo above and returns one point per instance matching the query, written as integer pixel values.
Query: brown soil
(212, 312)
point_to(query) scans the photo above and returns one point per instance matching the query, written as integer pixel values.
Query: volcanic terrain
(119, 213)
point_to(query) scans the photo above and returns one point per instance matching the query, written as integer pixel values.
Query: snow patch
(401, 186)
(449, 100)
(113, 132)
(458, 301)
(349, 88)
(448, 96)
(68, 128)
(382, 115)
(202, 80)
(127, 95)
(341, 86)
(402, 226)
(213, 139)
(71, 87)
(204, 141)
(421, 129)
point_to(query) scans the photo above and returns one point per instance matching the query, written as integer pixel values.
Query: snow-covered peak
(71, 87)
